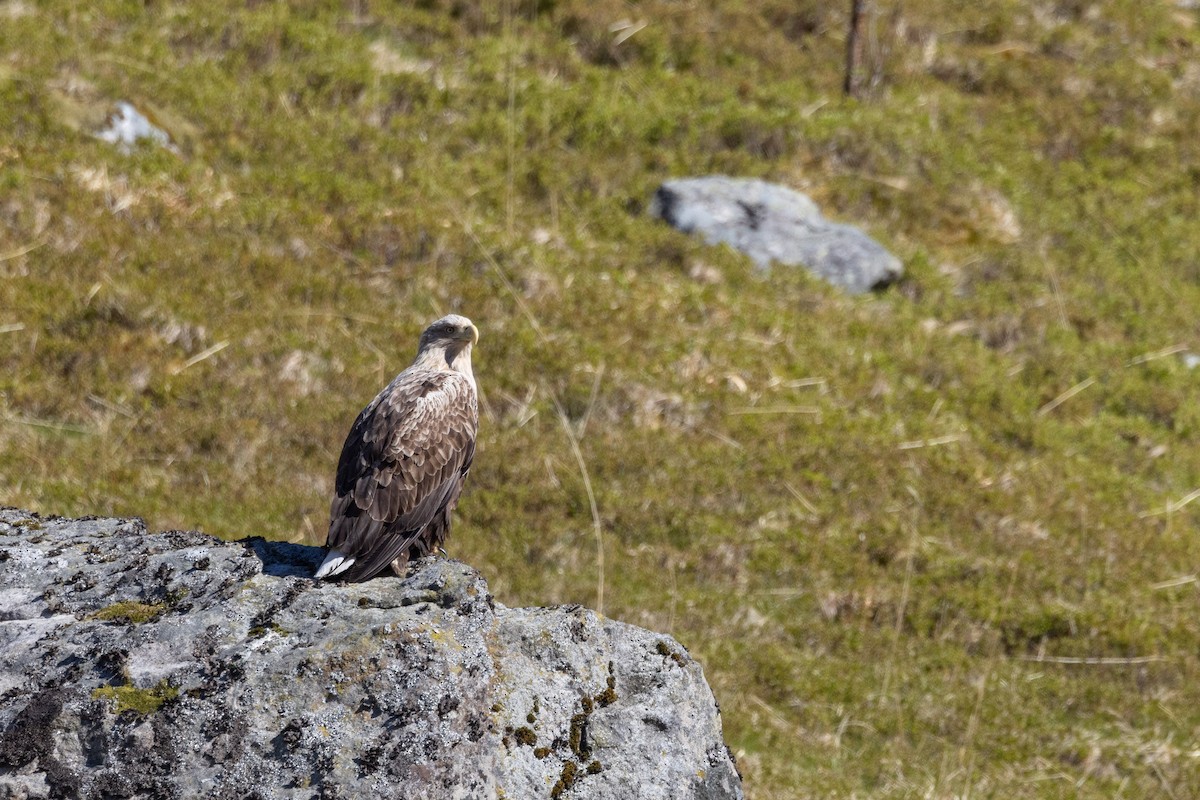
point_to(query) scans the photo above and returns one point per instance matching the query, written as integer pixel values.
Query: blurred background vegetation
(931, 542)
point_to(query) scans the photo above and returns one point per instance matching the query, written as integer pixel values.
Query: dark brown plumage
(405, 459)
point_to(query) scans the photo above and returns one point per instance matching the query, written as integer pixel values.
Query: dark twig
(855, 44)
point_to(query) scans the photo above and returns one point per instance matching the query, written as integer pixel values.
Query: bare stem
(855, 42)
(591, 496)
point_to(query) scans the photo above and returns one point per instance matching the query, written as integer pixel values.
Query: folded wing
(400, 473)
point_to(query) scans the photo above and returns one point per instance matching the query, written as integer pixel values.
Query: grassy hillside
(933, 542)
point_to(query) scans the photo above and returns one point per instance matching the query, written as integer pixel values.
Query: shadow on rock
(284, 560)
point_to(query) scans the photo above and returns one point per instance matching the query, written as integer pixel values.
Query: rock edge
(177, 665)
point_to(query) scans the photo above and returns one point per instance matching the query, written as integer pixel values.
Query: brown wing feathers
(401, 471)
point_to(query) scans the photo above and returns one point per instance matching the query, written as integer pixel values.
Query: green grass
(946, 578)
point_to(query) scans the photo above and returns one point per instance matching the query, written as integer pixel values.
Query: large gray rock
(175, 665)
(772, 223)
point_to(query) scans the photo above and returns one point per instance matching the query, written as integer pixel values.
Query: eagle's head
(448, 341)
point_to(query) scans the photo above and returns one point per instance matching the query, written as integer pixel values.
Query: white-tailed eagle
(404, 462)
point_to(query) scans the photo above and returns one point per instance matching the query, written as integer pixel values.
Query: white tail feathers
(335, 562)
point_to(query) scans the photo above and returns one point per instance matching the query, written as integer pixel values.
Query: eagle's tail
(336, 562)
(389, 549)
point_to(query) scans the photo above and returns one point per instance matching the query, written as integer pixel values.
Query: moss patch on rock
(131, 698)
(131, 612)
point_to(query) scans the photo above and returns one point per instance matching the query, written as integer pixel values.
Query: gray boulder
(772, 223)
(176, 665)
(128, 126)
